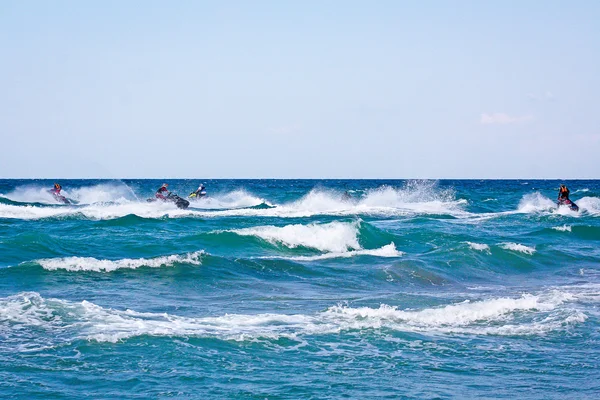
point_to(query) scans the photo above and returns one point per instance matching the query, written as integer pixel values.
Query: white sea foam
(337, 239)
(564, 228)
(518, 248)
(31, 194)
(538, 203)
(93, 264)
(94, 211)
(384, 251)
(32, 212)
(103, 193)
(525, 315)
(417, 197)
(535, 202)
(591, 205)
(452, 316)
(231, 200)
(336, 236)
(566, 211)
(479, 246)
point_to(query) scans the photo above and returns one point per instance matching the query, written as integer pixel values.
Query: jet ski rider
(563, 194)
(56, 189)
(162, 192)
(200, 192)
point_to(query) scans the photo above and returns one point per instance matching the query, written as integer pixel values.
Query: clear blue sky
(315, 89)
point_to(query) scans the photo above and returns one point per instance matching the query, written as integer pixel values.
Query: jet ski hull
(568, 203)
(173, 198)
(60, 198)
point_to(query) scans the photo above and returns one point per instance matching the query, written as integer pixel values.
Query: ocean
(300, 289)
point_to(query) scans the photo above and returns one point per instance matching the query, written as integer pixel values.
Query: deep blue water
(286, 289)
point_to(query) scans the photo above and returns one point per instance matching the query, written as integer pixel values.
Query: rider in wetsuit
(200, 192)
(162, 192)
(563, 194)
(56, 189)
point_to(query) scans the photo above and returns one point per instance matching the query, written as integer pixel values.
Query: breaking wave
(416, 197)
(232, 200)
(389, 251)
(535, 202)
(526, 315)
(96, 265)
(589, 204)
(113, 192)
(520, 248)
(479, 246)
(564, 228)
(333, 237)
(538, 203)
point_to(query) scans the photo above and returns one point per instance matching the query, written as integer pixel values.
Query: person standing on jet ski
(200, 192)
(162, 192)
(563, 194)
(56, 190)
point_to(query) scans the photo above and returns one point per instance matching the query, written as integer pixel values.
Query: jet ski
(173, 198)
(199, 195)
(59, 197)
(567, 203)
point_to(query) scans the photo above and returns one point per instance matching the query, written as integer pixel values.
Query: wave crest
(332, 237)
(479, 246)
(518, 248)
(525, 315)
(387, 251)
(231, 200)
(92, 264)
(110, 201)
(112, 192)
(535, 202)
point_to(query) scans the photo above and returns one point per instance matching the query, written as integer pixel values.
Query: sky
(300, 89)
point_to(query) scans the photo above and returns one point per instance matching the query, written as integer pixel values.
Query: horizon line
(312, 179)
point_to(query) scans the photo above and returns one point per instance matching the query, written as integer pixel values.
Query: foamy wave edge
(520, 248)
(539, 314)
(387, 251)
(336, 237)
(76, 264)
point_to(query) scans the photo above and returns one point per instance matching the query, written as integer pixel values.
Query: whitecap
(387, 251)
(416, 197)
(535, 202)
(518, 248)
(525, 315)
(479, 246)
(564, 228)
(332, 237)
(230, 200)
(96, 265)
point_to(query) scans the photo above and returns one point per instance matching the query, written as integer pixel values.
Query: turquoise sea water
(286, 289)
